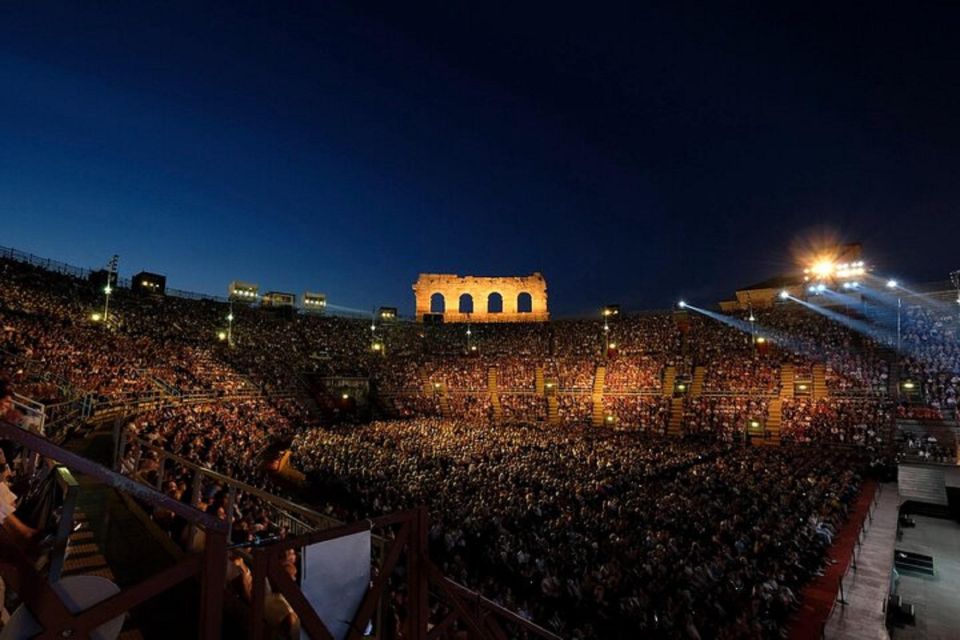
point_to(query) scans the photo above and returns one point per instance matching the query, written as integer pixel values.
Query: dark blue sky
(631, 153)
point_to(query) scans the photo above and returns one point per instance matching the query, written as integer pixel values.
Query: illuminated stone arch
(494, 302)
(438, 304)
(465, 303)
(524, 302)
(523, 298)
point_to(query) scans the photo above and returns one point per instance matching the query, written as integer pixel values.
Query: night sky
(633, 154)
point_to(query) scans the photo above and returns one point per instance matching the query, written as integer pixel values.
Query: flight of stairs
(553, 409)
(539, 383)
(696, 386)
(774, 419)
(444, 401)
(675, 426)
(893, 366)
(494, 394)
(788, 378)
(819, 391)
(427, 383)
(669, 381)
(598, 382)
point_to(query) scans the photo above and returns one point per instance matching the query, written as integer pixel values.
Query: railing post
(65, 528)
(231, 500)
(212, 582)
(161, 469)
(258, 570)
(417, 575)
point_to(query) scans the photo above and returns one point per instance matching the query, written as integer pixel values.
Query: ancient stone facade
(482, 299)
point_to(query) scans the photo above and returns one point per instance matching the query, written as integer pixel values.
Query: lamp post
(107, 290)
(230, 326)
(893, 284)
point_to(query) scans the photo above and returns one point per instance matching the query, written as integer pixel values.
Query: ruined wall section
(451, 287)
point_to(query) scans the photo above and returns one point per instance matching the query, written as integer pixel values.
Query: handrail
(113, 479)
(321, 519)
(55, 619)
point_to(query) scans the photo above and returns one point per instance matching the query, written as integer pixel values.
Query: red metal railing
(51, 612)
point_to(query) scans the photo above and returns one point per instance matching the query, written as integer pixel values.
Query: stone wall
(480, 289)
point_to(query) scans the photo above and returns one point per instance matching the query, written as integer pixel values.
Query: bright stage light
(751, 318)
(892, 284)
(96, 317)
(821, 288)
(822, 268)
(221, 335)
(682, 304)
(784, 294)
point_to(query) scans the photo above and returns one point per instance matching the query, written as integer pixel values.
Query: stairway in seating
(444, 401)
(696, 387)
(819, 391)
(675, 427)
(492, 386)
(599, 380)
(788, 379)
(893, 366)
(539, 383)
(427, 383)
(774, 419)
(553, 409)
(669, 381)
(922, 483)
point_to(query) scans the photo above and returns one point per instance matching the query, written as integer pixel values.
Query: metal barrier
(427, 588)
(301, 519)
(862, 529)
(52, 614)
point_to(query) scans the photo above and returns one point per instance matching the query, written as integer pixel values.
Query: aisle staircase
(492, 386)
(539, 383)
(788, 379)
(444, 401)
(675, 426)
(819, 391)
(599, 380)
(553, 409)
(669, 381)
(696, 386)
(774, 420)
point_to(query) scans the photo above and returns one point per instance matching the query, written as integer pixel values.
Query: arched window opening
(524, 303)
(495, 303)
(466, 303)
(437, 303)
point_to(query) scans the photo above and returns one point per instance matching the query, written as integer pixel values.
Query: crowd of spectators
(589, 532)
(585, 530)
(848, 422)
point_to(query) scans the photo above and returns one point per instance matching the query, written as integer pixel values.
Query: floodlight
(784, 294)
(682, 304)
(892, 284)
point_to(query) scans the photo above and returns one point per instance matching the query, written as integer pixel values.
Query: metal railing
(850, 570)
(299, 519)
(49, 609)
